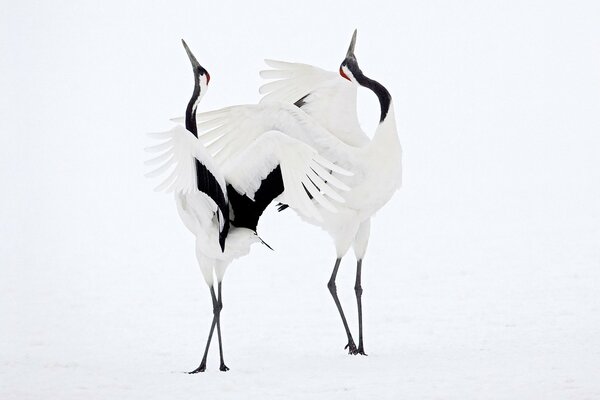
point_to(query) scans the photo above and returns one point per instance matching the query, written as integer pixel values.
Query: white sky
(497, 103)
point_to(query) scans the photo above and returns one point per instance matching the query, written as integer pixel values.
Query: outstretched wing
(324, 95)
(191, 168)
(229, 131)
(277, 165)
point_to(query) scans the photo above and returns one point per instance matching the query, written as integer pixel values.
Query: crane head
(200, 74)
(349, 68)
(201, 79)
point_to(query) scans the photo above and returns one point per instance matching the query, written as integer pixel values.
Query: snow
(483, 273)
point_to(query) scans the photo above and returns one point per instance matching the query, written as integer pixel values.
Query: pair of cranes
(302, 145)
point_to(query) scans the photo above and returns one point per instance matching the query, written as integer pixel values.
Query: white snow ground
(482, 279)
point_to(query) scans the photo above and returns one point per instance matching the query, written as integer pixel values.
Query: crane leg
(223, 367)
(202, 366)
(358, 290)
(333, 290)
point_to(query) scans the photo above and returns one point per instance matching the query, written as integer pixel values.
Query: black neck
(190, 112)
(380, 91)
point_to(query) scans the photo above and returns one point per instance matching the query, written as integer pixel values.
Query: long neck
(190, 112)
(380, 91)
(386, 134)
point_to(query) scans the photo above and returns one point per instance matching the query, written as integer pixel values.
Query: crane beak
(193, 60)
(350, 52)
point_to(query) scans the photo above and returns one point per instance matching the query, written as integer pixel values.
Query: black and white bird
(318, 107)
(221, 203)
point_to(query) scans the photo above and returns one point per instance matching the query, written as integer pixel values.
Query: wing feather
(247, 170)
(332, 179)
(326, 189)
(180, 153)
(177, 155)
(191, 169)
(246, 123)
(326, 96)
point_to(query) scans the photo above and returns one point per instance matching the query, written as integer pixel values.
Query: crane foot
(361, 351)
(351, 348)
(201, 368)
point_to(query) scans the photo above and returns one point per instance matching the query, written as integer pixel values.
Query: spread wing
(276, 165)
(231, 130)
(324, 95)
(191, 168)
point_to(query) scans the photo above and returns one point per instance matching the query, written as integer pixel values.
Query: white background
(482, 279)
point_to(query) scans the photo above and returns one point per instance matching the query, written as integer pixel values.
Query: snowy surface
(482, 279)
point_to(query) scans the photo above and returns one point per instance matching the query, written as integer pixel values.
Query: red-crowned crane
(221, 203)
(318, 108)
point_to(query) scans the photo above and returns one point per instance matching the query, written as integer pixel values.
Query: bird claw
(351, 348)
(361, 351)
(224, 368)
(201, 368)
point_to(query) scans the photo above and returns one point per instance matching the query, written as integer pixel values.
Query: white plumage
(328, 99)
(217, 199)
(318, 108)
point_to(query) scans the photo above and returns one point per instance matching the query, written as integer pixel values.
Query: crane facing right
(319, 108)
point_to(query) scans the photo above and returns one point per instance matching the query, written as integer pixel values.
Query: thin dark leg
(223, 367)
(333, 290)
(202, 366)
(358, 290)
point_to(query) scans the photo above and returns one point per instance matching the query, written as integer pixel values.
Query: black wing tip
(281, 207)
(222, 242)
(263, 242)
(224, 231)
(301, 101)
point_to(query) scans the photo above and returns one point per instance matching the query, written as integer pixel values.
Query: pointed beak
(350, 52)
(193, 60)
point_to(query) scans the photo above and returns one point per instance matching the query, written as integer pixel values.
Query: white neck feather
(386, 132)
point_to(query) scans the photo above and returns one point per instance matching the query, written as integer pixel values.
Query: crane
(221, 203)
(318, 107)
